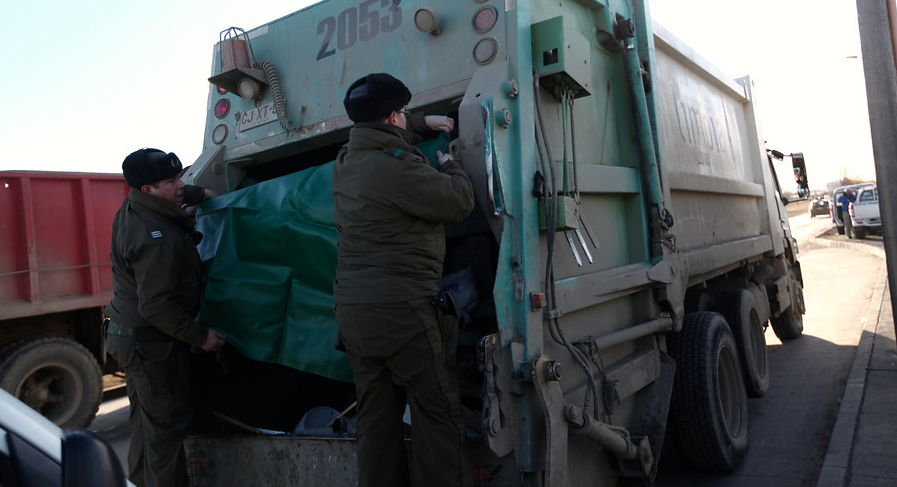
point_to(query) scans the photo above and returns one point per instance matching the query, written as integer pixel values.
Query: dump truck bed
(56, 232)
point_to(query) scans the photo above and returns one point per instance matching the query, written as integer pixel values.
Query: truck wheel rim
(758, 344)
(729, 394)
(49, 389)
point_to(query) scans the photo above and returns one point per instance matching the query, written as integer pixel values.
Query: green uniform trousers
(156, 376)
(396, 353)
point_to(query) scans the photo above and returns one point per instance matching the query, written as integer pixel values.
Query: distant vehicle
(34, 451)
(819, 207)
(864, 212)
(837, 218)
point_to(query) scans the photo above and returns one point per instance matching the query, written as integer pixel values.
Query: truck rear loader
(628, 247)
(55, 279)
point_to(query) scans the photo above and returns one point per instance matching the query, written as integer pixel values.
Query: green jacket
(157, 276)
(389, 208)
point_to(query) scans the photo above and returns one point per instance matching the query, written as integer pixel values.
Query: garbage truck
(627, 251)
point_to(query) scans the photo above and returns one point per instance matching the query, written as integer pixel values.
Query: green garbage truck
(628, 248)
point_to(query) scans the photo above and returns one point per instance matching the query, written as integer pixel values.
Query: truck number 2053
(358, 24)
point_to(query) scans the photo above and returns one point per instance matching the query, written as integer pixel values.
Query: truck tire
(790, 324)
(840, 230)
(57, 377)
(709, 403)
(672, 454)
(742, 312)
(859, 232)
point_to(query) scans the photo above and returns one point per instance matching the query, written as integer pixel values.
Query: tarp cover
(270, 255)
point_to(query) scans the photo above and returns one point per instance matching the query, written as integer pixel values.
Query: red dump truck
(55, 278)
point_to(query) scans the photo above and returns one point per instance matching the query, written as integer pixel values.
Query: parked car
(864, 212)
(819, 206)
(34, 451)
(837, 218)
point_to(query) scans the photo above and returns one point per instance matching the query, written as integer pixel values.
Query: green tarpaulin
(270, 255)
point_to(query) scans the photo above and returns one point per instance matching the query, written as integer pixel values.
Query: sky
(88, 82)
(809, 90)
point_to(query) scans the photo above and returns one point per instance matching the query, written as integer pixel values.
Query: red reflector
(485, 19)
(222, 108)
(537, 301)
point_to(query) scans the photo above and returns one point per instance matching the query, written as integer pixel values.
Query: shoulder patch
(401, 154)
(156, 234)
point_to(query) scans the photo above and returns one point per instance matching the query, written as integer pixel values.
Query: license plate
(257, 116)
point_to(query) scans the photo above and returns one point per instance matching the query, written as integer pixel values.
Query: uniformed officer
(157, 279)
(390, 205)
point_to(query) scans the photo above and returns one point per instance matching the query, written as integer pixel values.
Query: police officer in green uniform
(157, 279)
(390, 206)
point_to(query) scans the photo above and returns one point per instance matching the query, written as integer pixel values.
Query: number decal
(347, 29)
(358, 24)
(370, 21)
(327, 28)
(393, 21)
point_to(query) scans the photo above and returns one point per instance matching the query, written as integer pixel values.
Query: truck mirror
(800, 174)
(88, 460)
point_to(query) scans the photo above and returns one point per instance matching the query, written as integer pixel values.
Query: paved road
(804, 228)
(112, 424)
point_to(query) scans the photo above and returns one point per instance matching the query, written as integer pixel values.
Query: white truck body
(864, 212)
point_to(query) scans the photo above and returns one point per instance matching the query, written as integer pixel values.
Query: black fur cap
(374, 97)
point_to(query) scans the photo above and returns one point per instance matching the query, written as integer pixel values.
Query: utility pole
(878, 38)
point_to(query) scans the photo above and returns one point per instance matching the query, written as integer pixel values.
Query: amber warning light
(238, 73)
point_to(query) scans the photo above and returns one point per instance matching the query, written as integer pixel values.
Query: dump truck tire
(672, 456)
(742, 313)
(57, 377)
(790, 324)
(709, 402)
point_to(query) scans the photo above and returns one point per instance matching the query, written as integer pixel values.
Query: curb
(836, 465)
(869, 249)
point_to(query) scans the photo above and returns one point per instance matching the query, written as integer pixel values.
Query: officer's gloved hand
(439, 123)
(443, 159)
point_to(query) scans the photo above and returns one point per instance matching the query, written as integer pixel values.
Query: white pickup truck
(864, 212)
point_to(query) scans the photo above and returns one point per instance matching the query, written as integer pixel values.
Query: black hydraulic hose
(573, 146)
(280, 102)
(550, 230)
(539, 148)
